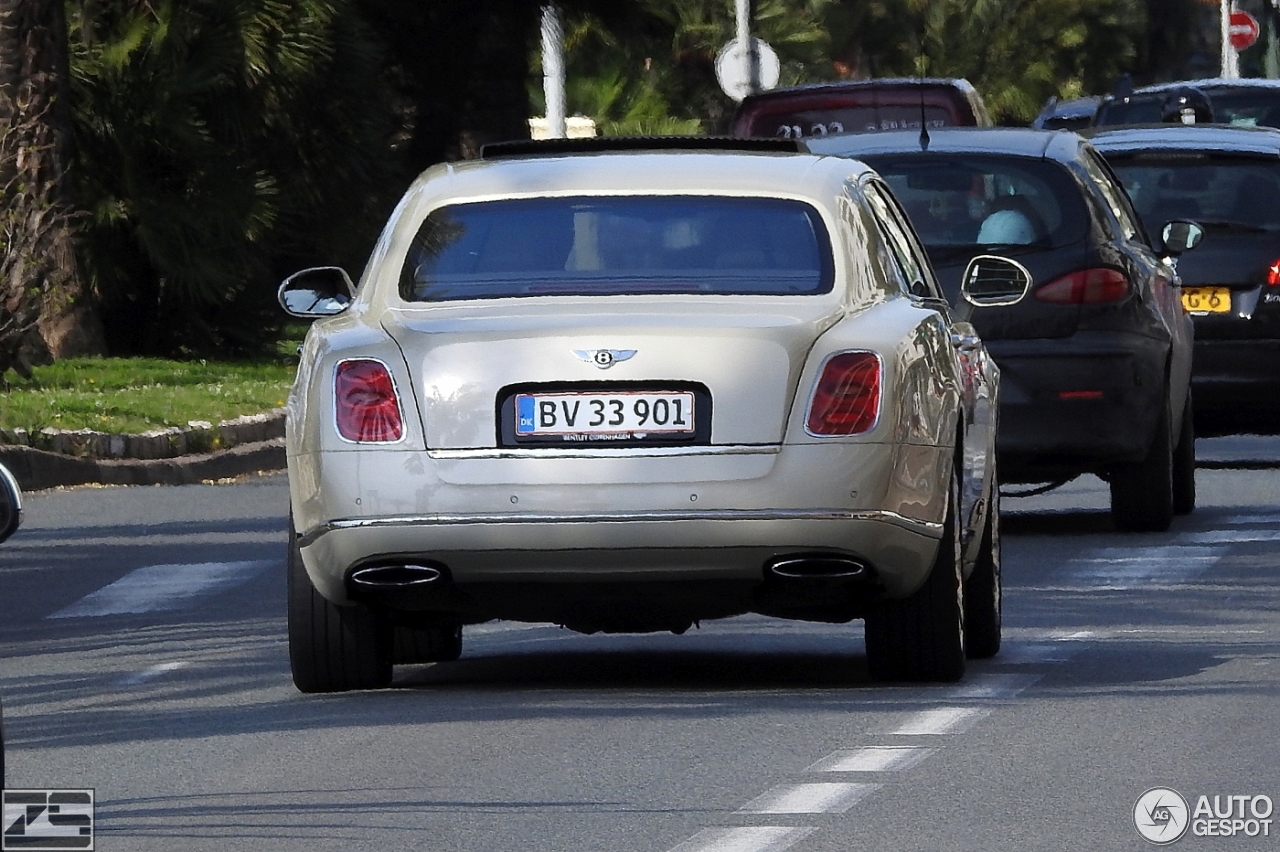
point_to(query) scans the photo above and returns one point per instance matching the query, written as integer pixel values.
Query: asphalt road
(1131, 662)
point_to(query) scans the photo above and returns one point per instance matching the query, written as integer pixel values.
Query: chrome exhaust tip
(817, 566)
(390, 578)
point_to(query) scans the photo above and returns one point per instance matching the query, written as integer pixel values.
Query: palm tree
(39, 278)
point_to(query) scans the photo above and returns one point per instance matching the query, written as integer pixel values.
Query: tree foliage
(218, 142)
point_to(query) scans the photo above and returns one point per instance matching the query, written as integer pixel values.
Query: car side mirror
(320, 291)
(10, 503)
(992, 281)
(1181, 235)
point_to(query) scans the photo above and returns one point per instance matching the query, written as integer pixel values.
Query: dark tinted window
(838, 116)
(1219, 192)
(625, 245)
(1250, 107)
(967, 201)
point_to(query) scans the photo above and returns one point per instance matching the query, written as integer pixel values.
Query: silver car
(625, 389)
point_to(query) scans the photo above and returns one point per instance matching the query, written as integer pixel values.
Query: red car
(860, 105)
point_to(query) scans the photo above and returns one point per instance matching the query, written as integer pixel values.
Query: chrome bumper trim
(579, 452)
(928, 528)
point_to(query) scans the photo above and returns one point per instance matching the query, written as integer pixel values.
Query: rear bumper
(618, 518)
(1078, 404)
(1236, 384)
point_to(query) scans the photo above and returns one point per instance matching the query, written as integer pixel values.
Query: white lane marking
(820, 797)
(150, 673)
(1125, 568)
(1230, 536)
(162, 587)
(1258, 518)
(991, 685)
(1074, 636)
(1022, 654)
(872, 759)
(940, 720)
(759, 838)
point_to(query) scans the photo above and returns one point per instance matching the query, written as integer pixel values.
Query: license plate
(1206, 300)
(617, 416)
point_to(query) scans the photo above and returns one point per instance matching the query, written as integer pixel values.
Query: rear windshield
(1251, 108)
(959, 201)
(1221, 193)
(840, 117)
(621, 245)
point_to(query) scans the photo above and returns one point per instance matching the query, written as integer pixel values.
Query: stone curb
(37, 470)
(174, 456)
(195, 438)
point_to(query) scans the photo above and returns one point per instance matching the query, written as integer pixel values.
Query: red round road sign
(1243, 30)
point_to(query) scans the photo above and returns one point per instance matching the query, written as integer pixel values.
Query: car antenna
(924, 127)
(875, 94)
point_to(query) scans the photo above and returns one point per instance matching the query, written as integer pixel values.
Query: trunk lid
(747, 354)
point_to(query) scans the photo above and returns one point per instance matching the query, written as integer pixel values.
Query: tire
(1184, 464)
(434, 644)
(921, 637)
(982, 591)
(333, 648)
(1142, 492)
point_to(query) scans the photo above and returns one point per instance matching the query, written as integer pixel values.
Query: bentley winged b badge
(604, 358)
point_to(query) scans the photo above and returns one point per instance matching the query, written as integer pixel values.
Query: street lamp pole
(751, 57)
(553, 70)
(1230, 58)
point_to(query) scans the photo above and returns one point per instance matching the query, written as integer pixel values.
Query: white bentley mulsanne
(627, 385)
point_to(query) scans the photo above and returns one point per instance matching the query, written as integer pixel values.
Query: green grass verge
(132, 395)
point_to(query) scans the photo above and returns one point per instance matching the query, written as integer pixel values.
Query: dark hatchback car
(1251, 102)
(1227, 179)
(1095, 363)
(853, 106)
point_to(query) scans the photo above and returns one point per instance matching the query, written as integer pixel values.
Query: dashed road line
(938, 721)
(818, 797)
(872, 759)
(758, 838)
(150, 673)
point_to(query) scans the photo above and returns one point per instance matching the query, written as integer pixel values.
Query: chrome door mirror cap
(321, 291)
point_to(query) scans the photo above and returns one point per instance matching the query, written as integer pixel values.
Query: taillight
(365, 397)
(1086, 287)
(1273, 274)
(846, 400)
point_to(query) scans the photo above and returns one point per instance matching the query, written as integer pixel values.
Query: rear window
(619, 245)
(840, 116)
(1248, 108)
(968, 201)
(1221, 193)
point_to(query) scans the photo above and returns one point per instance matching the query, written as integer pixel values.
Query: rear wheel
(333, 648)
(921, 637)
(436, 643)
(1142, 492)
(1184, 464)
(982, 591)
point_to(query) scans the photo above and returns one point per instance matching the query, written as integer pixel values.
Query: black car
(1228, 180)
(1095, 363)
(1251, 101)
